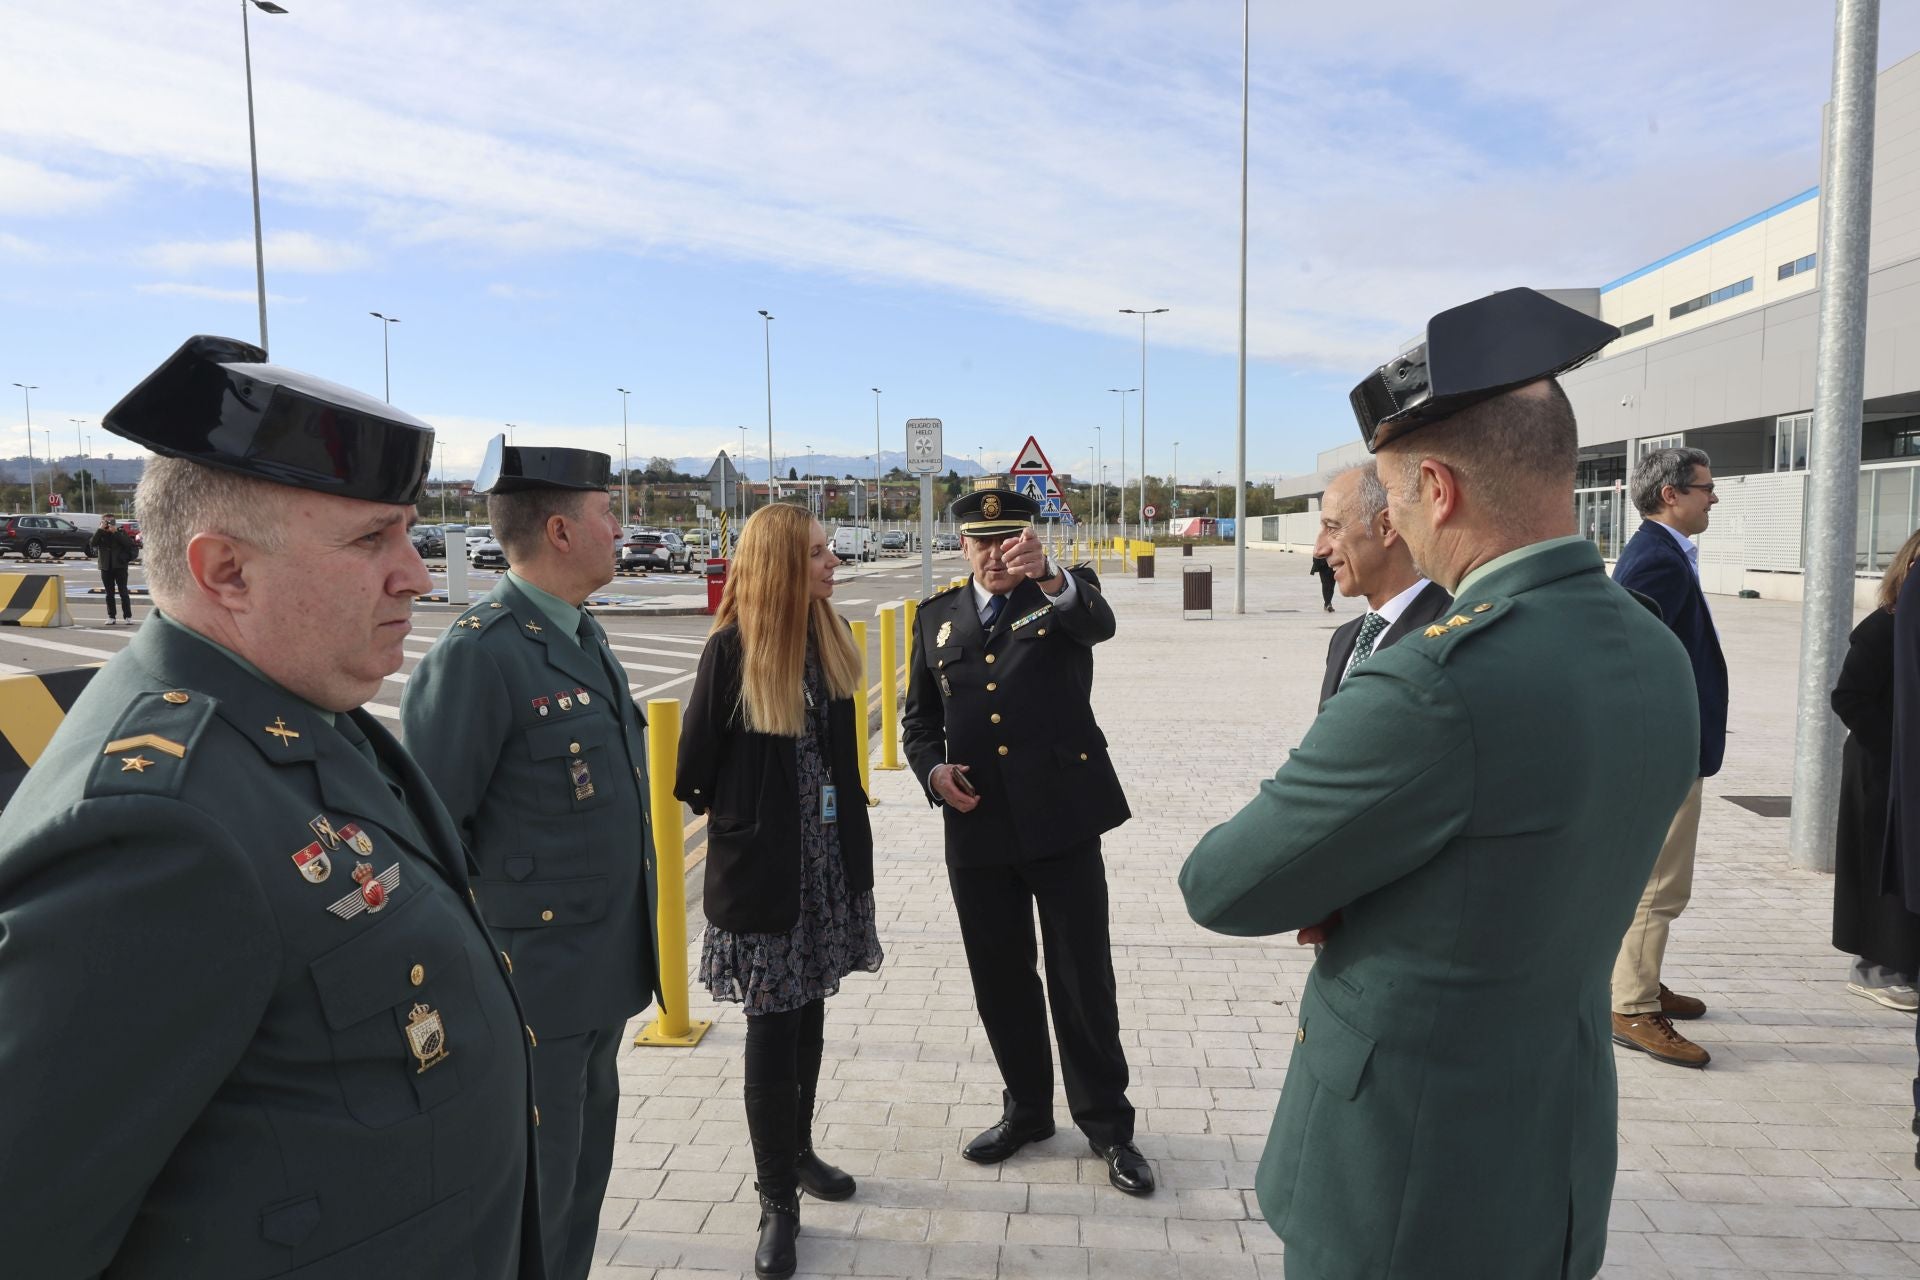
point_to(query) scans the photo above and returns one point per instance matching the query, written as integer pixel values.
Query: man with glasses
(1673, 489)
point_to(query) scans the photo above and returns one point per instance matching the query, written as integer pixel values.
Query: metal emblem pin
(566, 703)
(1435, 630)
(1481, 608)
(585, 699)
(324, 829)
(426, 1037)
(582, 778)
(279, 730)
(1458, 620)
(358, 901)
(946, 630)
(174, 696)
(314, 864)
(135, 764)
(535, 627)
(362, 842)
(541, 707)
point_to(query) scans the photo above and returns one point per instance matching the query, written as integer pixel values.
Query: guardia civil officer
(1450, 1106)
(1000, 730)
(251, 1023)
(521, 716)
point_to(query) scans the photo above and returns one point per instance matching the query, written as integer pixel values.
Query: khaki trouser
(1636, 970)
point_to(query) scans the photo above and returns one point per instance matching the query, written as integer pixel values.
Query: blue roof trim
(1716, 237)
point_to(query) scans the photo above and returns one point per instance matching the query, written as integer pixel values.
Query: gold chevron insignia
(1435, 630)
(153, 740)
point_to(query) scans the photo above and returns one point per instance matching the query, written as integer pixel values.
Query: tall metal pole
(1145, 532)
(253, 164)
(1099, 512)
(80, 443)
(1124, 392)
(626, 463)
(26, 391)
(1240, 438)
(744, 480)
(386, 352)
(1173, 489)
(879, 508)
(766, 328)
(1846, 206)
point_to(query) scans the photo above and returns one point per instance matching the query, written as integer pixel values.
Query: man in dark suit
(1369, 558)
(254, 1023)
(522, 717)
(1000, 731)
(1673, 489)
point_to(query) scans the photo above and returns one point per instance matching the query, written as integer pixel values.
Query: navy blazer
(1654, 565)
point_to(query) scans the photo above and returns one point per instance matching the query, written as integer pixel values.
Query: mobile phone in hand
(960, 780)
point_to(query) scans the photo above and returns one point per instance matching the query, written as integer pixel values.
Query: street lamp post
(253, 161)
(509, 427)
(808, 481)
(1099, 513)
(766, 333)
(1173, 489)
(80, 443)
(626, 464)
(1123, 393)
(1216, 497)
(386, 354)
(1129, 311)
(879, 507)
(742, 469)
(26, 391)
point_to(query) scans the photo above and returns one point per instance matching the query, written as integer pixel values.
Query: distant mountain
(822, 464)
(108, 470)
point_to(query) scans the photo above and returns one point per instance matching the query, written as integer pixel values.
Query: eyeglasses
(1706, 488)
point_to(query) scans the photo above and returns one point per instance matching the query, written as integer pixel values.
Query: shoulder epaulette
(1443, 635)
(147, 751)
(480, 617)
(947, 590)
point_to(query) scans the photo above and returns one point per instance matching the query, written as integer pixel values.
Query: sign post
(924, 454)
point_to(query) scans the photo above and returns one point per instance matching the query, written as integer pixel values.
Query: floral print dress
(835, 934)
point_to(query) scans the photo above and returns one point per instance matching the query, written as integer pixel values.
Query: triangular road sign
(1031, 459)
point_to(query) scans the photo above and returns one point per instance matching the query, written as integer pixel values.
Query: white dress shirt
(1687, 545)
(1391, 611)
(1068, 597)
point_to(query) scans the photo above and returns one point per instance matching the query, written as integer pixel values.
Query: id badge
(829, 803)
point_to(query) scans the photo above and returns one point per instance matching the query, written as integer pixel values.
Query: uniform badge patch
(541, 707)
(426, 1037)
(581, 777)
(990, 506)
(584, 698)
(324, 829)
(372, 893)
(362, 842)
(313, 863)
(566, 702)
(946, 630)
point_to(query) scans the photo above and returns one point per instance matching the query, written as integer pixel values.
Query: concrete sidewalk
(1789, 1156)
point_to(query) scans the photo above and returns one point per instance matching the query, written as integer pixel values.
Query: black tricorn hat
(1471, 353)
(993, 513)
(217, 402)
(515, 468)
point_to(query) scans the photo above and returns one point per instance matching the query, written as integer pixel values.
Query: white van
(853, 542)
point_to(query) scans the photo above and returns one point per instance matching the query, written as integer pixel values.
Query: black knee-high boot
(771, 1125)
(816, 1177)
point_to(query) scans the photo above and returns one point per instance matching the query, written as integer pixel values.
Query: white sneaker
(1903, 998)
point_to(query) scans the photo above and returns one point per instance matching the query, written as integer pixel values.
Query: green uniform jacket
(1484, 803)
(540, 754)
(205, 1049)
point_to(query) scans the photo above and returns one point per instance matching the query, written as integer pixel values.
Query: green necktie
(1370, 628)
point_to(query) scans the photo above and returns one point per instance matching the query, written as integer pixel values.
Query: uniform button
(1301, 1035)
(417, 975)
(696, 791)
(175, 696)
(1003, 751)
(533, 1041)
(991, 686)
(995, 717)
(507, 960)
(536, 1117)
(1043, 631)
(574, 747)
(546, 915)
(470, 898)
(1083, 755)
(989, 659)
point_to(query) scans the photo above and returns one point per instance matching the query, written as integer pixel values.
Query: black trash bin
(1143, 565)
(1196, 590)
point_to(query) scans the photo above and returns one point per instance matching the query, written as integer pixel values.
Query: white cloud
(20, 249)
(519, 292)
(32, 190)
(175, 289)
(298, 251)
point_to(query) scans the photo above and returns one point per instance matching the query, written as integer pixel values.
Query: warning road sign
(1031, 460)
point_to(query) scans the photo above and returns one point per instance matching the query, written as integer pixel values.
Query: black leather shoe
(1005, 1138)
(779, 1223)
(819, 1179)
(1127, 1169)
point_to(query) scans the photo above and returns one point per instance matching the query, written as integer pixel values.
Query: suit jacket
(1431, 603)
(1015, 706)
(536, 746)
(1654, 565)
(205, 1032)
(749, 785)
(1450, 1109)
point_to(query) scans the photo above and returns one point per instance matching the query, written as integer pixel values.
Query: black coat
(1432, 601)
(1867, 921)
(1901, 865)
(748, 785)
(1015, 707)
(112, 548)
(1654, 566)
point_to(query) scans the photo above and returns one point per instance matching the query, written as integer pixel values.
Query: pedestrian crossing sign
(1031, 485)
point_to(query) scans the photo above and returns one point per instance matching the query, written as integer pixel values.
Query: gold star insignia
(135, 764)
(279, 730)
(1481, 608)
(471, 623)
(1433, 631)
(1458, 620)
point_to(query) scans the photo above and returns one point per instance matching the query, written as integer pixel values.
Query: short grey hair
(1370, 495)
(1660, 468)
(519, 520)
(177, 499)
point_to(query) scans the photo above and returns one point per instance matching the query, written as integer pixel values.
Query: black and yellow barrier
(33, 600)
(31, 708)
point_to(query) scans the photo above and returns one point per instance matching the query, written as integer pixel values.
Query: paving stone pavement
(1788, 1157)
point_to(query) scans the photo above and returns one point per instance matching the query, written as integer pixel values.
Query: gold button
(995, 717)
(1083, 755)
(989, 659)
(1043, 631)
(174, 696)
(574, 747)
(991, 686)
(494, 605)
(1003, 751)
(1301, 1035)
(536, 1117)
(546, 915)
(532, 1040)
(508, 960)
(417, 975)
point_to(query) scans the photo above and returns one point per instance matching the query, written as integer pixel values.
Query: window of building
(1788, 270)
(1635, 326)
(1904, 444)
(1721, 294)
(1791, 436)
(1648, 445)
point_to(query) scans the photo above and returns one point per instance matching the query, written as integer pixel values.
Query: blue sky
(949, 202)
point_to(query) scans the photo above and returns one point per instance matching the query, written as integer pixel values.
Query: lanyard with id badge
(829, 794)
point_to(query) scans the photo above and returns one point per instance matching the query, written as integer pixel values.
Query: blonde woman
(769, 755)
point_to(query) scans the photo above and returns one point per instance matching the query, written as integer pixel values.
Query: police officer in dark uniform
(252, 1022)
(1000, 731)
(522, 717)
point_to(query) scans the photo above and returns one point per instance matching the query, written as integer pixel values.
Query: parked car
(489, 555)
(477, 534)
(946, 542)
(429, 540)
(133, 531)
(893, 540)
(31, 537)
(653, 549)
(853, 542)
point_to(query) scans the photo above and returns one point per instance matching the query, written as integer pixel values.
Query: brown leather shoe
(1686, 1008)
(1653, 1035)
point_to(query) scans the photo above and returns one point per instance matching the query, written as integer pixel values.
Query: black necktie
(994, 608)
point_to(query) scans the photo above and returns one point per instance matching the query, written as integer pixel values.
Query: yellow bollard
(889, 694)
(670, 1026)
(861, 702)
(906, 642)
